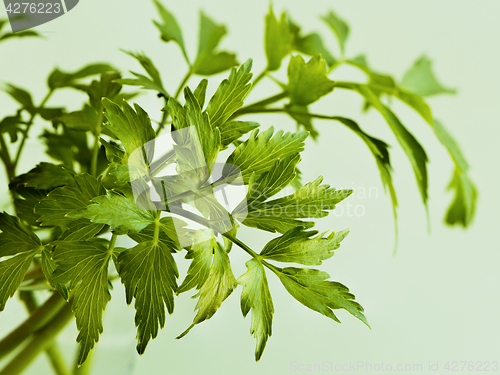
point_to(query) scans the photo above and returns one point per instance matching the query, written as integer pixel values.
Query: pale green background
(438, 300)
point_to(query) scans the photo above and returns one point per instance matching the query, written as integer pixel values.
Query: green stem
(97, 145)
(241, 244)
(38, 319)
(26, 131)
(52, 351)
(9, 167)
(297, 113)
(336, 64)
(164, 119)
(183, 83)
(177, 93)
(56, 360)
(259, 77)
(252, 108)
(39, 343)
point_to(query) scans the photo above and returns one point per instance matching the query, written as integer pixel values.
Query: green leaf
(230, 94)
(380, 151)
(23, 245)
(417, 103)
(45, 176)
(282, 173)
(339, 28)
(259, 153)
(217, 286)
(277, 40)
(408, 142)
(70, 146)
(461, 210)
(169, 28)
(48, 268)
(12, 273)
(58, 79)
(200, 92)
(382, 83)
(20, 34)
(197, 143)
(11, 125)
(311, 44)
(168, 232)
(15, 238)
(312, 200)
(61, 202)
(217, 63)
(22, 96)
(50, 113)
(81, 230)
(307, 82)
(84, 265)
(299, 246)
(121, 213)
(149, 273)
(84, 120)
(25, 202)
(114, 153)
(133, 128)
(256, 297)
(295, 111)
(209, 61)
(311, 288)
(378, 83)
(208, 135)
(420, 79)
(201, 253)
(232, 130)
(105, 87)
(153, 82)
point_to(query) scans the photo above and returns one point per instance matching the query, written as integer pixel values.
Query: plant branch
(259, 77)
(26, 131)
(241, 244)
(97, 144)
(164, 119)
(40, 342)
(291, 112)
(165, 116)
(252, 108)
(38, 319)
(183, 83)
(52, 351)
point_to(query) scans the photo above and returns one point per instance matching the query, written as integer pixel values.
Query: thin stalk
(183, 83)
(39, 343)
(335, 65)
(52, 351)
(56, 359)
(84, 369)
(9, 168)
(38, 319)
(177, 93)
(259, 105)
(259, 77)
(241, 244)
(164, 119)
(298, 113)
(97, 144)
(26, 131)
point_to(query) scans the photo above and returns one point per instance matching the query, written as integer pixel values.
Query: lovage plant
(167, 187)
